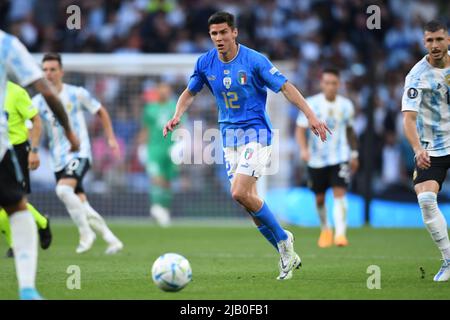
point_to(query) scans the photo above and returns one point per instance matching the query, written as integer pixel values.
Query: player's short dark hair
(434, 25)
(331, 70)
(222, 17)
(52, 56)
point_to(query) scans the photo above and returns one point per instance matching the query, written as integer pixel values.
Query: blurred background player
(15, 58)
(19, 110)
(238, 77)
(71, 167)
(426, 114)
(159, 164)
(330, 164)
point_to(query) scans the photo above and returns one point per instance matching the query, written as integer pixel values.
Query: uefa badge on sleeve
(412, 93)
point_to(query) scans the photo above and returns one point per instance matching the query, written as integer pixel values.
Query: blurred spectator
(125, 127)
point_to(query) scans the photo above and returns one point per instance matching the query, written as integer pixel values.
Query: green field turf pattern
(237, 263)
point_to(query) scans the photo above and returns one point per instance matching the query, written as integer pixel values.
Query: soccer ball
(171, 272)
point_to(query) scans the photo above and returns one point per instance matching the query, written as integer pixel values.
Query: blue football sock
(268, 219)
(268, 234)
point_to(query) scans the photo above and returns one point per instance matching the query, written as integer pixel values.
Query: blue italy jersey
(240, 89)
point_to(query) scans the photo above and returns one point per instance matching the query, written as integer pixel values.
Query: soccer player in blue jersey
(426, 115)
(238, 77)
(16, 61)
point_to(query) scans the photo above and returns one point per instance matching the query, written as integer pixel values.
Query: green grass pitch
(237, 263)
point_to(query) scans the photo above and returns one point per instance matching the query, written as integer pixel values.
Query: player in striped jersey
(16, 61)
(330, 164)
(426, 115)
(71, 167)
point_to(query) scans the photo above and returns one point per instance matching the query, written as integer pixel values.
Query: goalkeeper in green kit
(159, 164)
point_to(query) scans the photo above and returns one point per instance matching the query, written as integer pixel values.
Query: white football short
(250, 159)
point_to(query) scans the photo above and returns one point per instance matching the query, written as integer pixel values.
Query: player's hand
(422, 159)
(74, 142)
(112, 143)
(33, 160)
(319, 128)
(170, 125)
(304, 155)
(354, 165)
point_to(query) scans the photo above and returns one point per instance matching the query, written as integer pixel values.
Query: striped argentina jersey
(75, 100)
(17, 62)
(427, 92)
(338, 115)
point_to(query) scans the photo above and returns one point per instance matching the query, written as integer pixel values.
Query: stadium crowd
(311, 34)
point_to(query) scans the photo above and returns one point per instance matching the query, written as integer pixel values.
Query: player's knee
(239, 195)
(63, 192)
(427, 199)
(428, 203)
(320, 200)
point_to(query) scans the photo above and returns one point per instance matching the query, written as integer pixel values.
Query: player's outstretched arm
(409, 126)
(319, 128)
(35, 135)
(183, 103)
(57, 108)
(109, 132)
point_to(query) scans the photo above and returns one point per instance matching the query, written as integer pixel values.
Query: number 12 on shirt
(229, 98)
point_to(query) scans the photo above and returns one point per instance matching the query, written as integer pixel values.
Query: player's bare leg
(435, 223)
(243, 190)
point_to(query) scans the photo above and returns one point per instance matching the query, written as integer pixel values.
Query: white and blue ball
(171, 272)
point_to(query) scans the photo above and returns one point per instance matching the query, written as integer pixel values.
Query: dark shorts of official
(22, 151)
(75, 169)
(320, 179)
(11, 180)
(437, 171)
